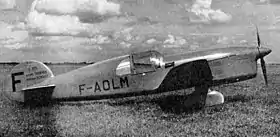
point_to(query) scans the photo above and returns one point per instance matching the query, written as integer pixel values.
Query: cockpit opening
(142, 62)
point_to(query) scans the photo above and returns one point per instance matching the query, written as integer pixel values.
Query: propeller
(261, 57)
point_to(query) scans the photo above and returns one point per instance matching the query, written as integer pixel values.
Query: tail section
(23, 76)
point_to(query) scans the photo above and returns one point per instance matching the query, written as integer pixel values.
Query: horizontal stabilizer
(38, 88)
(38, 93)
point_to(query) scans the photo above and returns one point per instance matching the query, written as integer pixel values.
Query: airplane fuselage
(104, 80)
(99, 80)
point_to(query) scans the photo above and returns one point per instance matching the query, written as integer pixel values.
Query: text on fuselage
(32, 76)
(105, 85)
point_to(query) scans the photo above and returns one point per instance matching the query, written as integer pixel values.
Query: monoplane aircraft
(140, 73)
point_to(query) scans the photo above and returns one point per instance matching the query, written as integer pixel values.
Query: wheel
(214, 98)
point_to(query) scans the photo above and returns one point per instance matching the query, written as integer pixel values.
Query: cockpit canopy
(141, 62)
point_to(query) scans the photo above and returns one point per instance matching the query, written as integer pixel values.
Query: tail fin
(25, 75)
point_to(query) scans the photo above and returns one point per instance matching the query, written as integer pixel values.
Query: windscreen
(138, 63)
(147, 61)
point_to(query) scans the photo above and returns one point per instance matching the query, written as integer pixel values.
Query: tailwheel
(214, 98)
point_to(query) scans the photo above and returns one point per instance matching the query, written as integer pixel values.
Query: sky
(73, 17)
(95, 27)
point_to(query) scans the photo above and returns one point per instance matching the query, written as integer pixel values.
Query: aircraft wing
(187, 75)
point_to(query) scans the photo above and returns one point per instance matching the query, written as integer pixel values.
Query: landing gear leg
(203, 96)
(197, 99)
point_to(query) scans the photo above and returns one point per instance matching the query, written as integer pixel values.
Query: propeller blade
(258, 37)
(262, 60)
(264, 70)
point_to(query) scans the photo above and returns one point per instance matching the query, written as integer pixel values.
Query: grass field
(250, 109)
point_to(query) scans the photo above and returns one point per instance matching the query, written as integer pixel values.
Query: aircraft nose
(264, 52)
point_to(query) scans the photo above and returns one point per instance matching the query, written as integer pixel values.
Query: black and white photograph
(139, 68)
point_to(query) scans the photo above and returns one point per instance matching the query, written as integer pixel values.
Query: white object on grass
(214, 98)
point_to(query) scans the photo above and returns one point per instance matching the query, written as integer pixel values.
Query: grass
(250, 109)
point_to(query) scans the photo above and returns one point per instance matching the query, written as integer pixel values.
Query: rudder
(25, 75)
